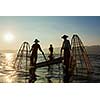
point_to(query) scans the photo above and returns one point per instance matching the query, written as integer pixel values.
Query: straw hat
(64, 36)
(36, 40)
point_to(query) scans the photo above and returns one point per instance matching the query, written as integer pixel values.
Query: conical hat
(36, 40)
(64, 36)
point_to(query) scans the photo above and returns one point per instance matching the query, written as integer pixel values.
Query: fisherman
(66, 47)
(51, 52)
(34, 54)
(33, 60)
(50, 68)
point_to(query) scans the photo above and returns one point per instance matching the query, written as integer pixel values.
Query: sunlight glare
(9, 37)
(8, 59)
(8, 56)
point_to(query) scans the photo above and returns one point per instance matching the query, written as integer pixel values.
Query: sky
(48, 30)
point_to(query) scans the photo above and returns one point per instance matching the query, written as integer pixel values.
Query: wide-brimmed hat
(64, 36)
(36, 40)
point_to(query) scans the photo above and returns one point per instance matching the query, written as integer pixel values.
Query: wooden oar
(45, 59)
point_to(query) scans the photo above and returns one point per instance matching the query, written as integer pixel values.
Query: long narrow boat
(47, 63)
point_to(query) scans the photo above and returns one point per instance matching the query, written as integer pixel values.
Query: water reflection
(9, 75)
(9, 59)
(7, 72)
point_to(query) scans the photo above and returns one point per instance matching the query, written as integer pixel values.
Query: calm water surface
(8, 73)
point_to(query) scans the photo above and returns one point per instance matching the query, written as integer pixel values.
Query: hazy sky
(48, 30)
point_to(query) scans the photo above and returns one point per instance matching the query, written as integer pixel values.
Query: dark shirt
(51, 49)
(66, 45)
(35, 48)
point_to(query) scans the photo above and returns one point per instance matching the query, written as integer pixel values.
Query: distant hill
(93, 49)
(90, 49)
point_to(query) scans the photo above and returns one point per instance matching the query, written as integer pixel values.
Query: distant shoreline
(8, 51)
(95, 49)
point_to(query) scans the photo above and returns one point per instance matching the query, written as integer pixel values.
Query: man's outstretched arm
(61, 49)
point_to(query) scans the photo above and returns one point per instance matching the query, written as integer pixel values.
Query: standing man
(33, 60)
(66, 55)
(51, 57)
(51, 52)
(34, 52)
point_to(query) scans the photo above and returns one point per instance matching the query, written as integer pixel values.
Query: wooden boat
(47, 63)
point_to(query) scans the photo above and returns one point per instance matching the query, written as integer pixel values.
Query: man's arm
(61, 52)
(42, 53)
(31, 48)
(41, 49)
(61, 49)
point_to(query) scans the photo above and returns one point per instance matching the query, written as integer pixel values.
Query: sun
(9, 37)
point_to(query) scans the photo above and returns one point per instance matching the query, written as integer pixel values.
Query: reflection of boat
(46, 63)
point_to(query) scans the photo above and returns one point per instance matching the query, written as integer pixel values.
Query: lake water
(8, 73)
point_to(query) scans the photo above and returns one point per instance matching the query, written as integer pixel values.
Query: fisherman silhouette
(33, 60)
(66, 47)
(34, 54)
(50, 68)
(51, 52)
